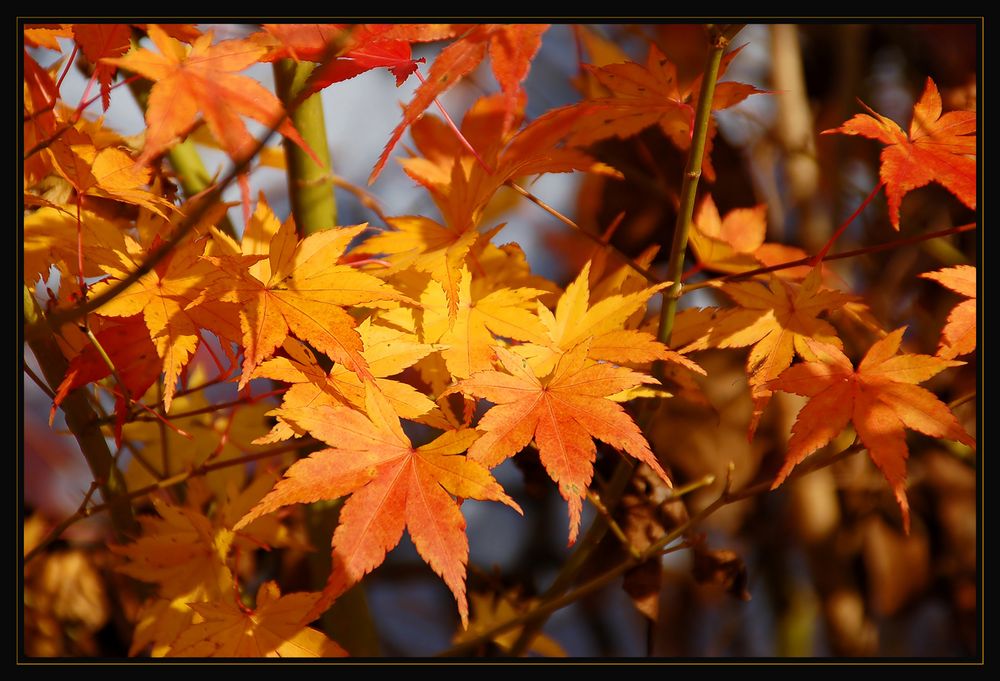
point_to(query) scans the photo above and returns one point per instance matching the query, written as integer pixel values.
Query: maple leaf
(511, 49)
(363, 47)
(602, 324)
(44, 35)
(272, 629)
(204, 80)
(490, 609)
(736, 243)
(564, 412)
(939, 148)
(959, 335)
(296, 288)
(776, 319)
(50, 239)
(40, 98)
(387, 350)
(880, 397)
(185, 555)
(99, 41)
(462, 188)
(162, 296)
(110, 172)
(642, 96)
(482, 315)
(392, 486)
(128, 346)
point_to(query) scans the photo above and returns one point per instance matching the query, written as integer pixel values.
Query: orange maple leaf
(776, 319)
(881, 398)
(736, 243)
(387, 350)
(99, 41)
(601, 326)
(296, 287)
(204, 80)
(393, 486)
(511, 49)
(163, 297)
(959, 335)
(938, 149)
(642, 96)
(462, 188)
(563, 412)
(272, 629)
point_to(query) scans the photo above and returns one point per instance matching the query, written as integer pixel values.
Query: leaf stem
(840, 230)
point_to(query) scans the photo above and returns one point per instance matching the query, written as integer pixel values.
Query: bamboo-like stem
(309, 185)
(623, 471)
(80, 418)
(689, 190)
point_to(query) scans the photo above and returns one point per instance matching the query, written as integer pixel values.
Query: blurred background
(819, 567)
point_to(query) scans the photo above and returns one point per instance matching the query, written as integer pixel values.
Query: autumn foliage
(247, 391)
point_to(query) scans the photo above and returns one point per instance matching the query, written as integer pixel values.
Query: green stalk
(689, 190)
(309, 185)
(80, 418)
(612, 494)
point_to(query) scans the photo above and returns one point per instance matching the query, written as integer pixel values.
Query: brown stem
(197, 471)
(846, 254)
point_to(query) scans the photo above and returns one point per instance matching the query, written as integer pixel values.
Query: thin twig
(547, 607)
(652, 278)
(38, 381)
(838, 256)
(197, 471)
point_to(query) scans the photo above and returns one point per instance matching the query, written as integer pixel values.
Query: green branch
(309, 185)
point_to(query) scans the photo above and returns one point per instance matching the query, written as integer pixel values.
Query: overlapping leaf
(642, 96)
(776, 319)
(881, 398)
(603, 324)
(959, 334)
(297, 287)
(563, 413)
(393, 486)
(204, 81)
(163, 297)
(511, 48)
(388, 351)
(736, 243)
(272, 629)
